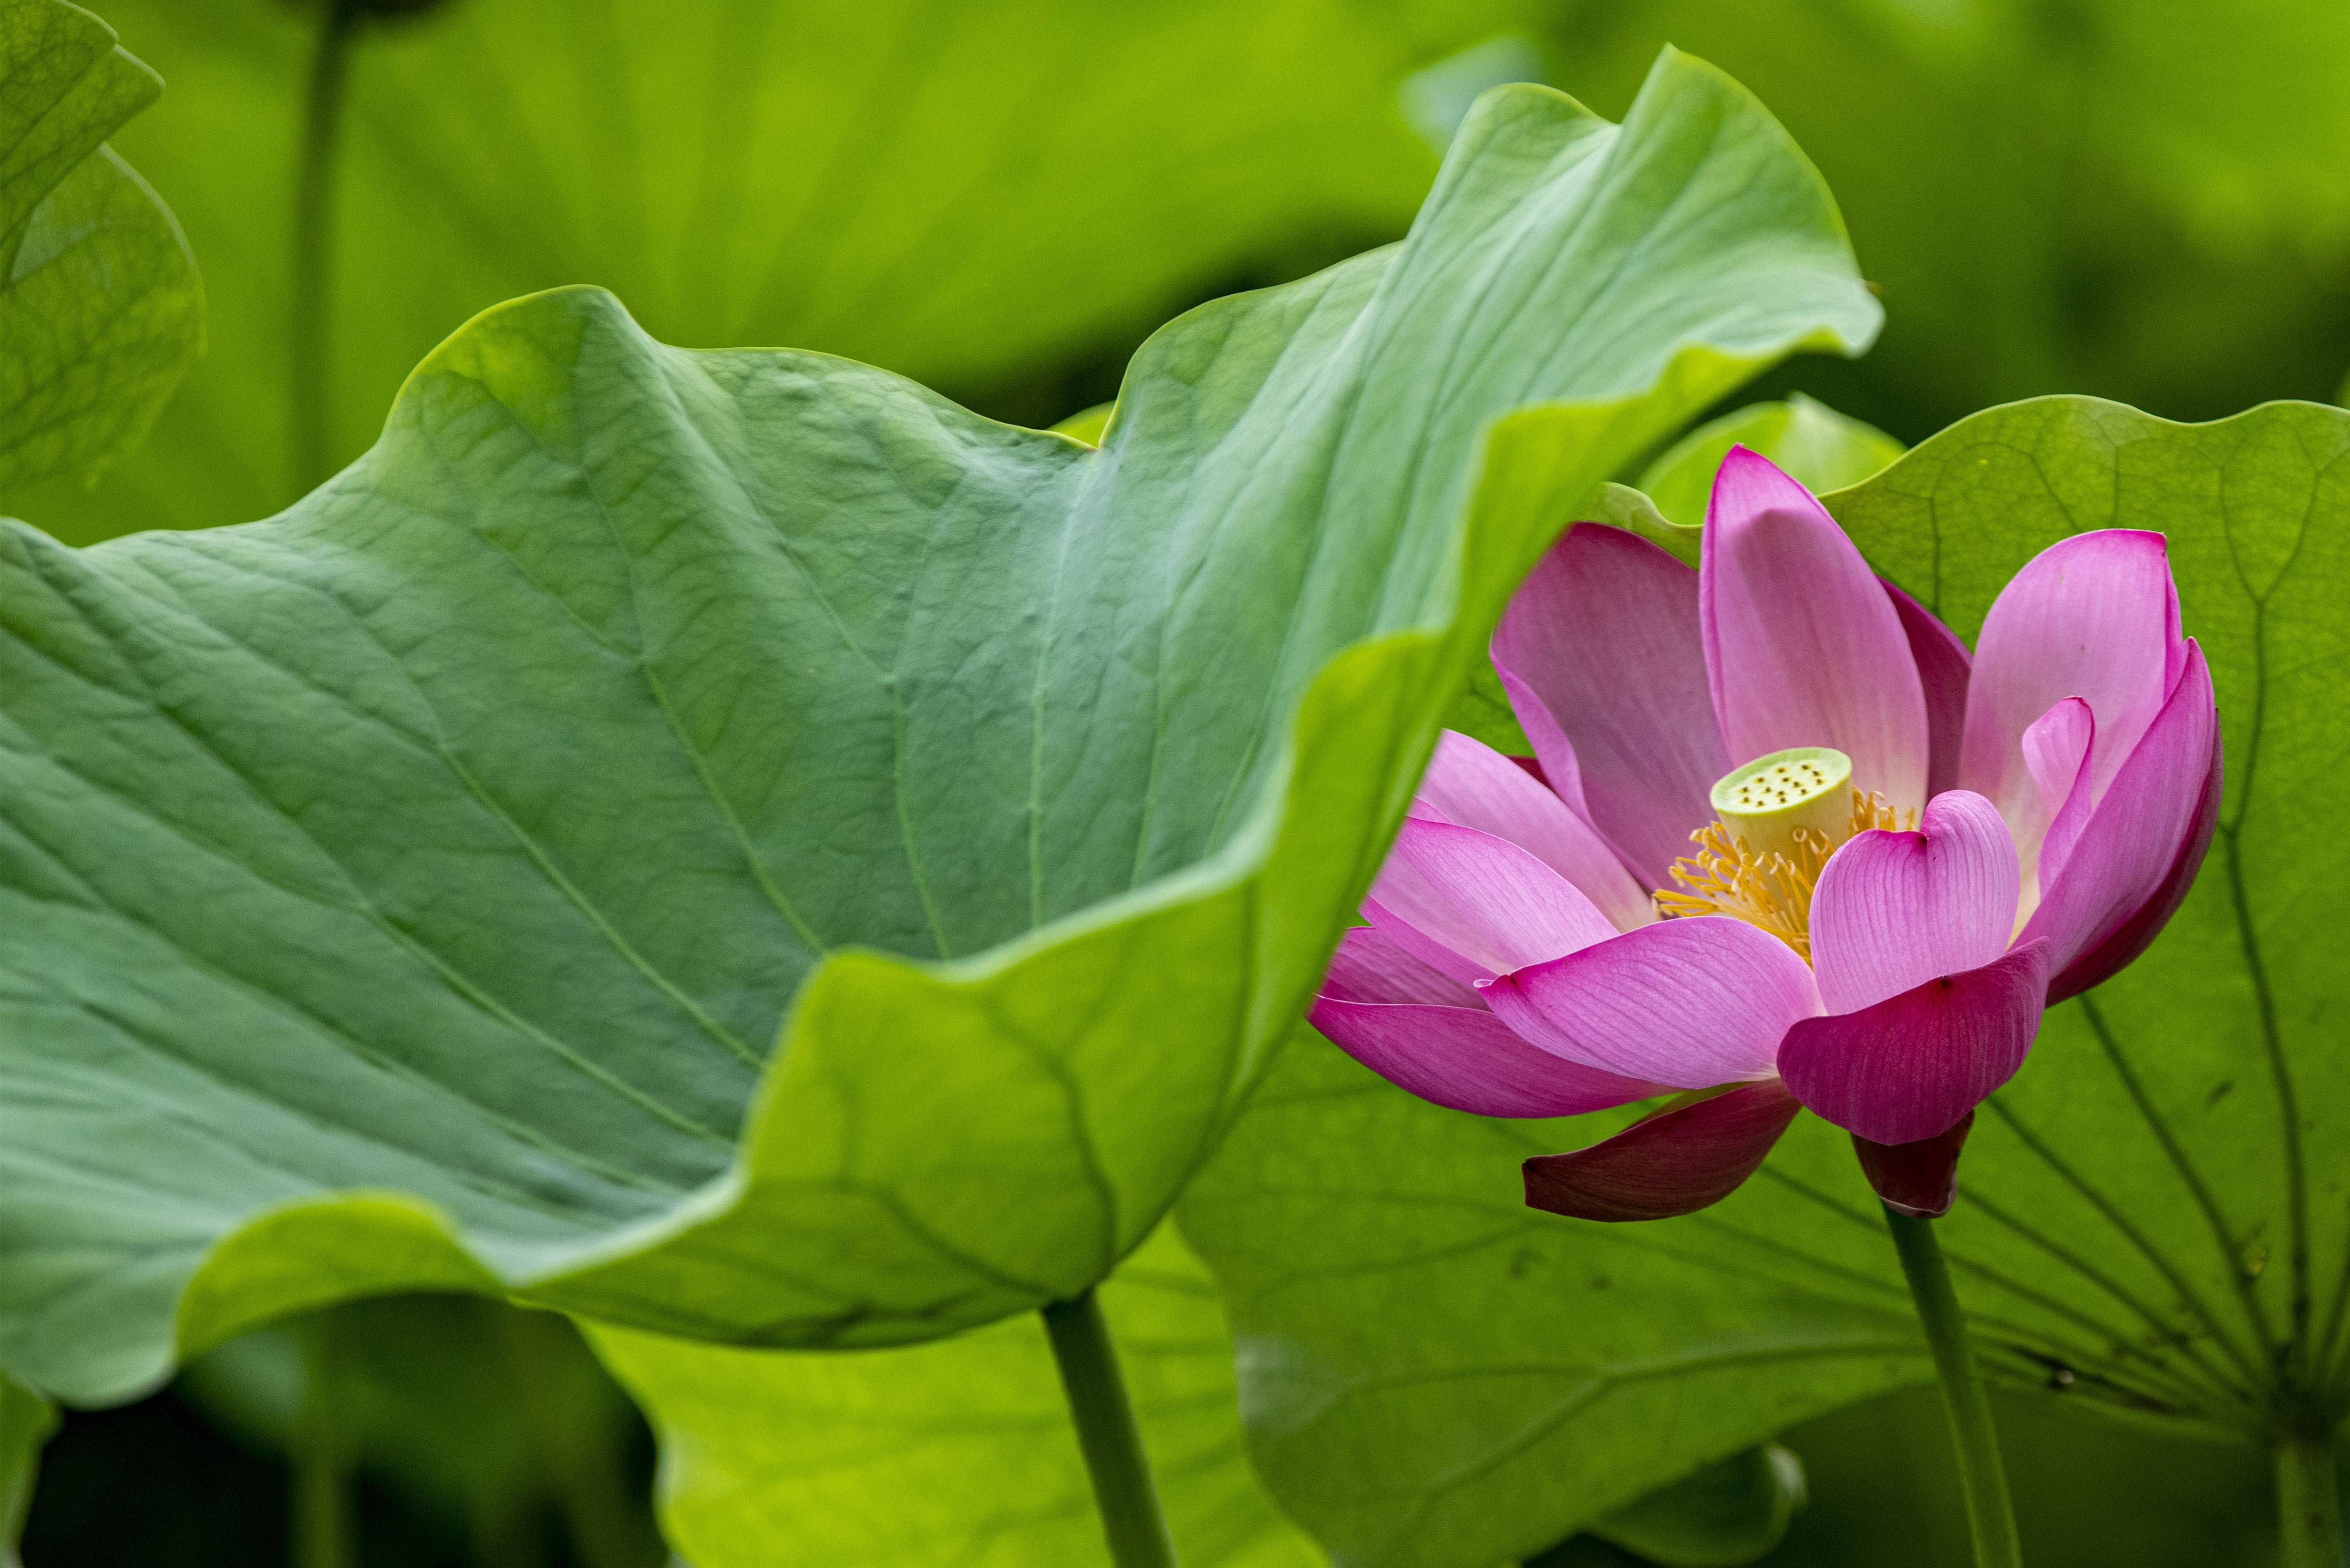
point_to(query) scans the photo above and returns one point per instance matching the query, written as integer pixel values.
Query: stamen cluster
(1770, 891)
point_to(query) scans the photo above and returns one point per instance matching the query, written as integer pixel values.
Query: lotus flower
(1781, 843)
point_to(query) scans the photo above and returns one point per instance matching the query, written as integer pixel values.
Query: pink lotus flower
(1783, 843)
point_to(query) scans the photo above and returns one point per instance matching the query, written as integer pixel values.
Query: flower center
(1779, 819)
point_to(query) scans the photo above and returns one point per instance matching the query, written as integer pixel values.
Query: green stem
(1123, 1490)
(309, 413)
(322, 1461)
(2309, 1503)
(1990, 1517)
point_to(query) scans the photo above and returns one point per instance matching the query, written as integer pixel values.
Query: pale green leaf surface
(1731, 1511)
(100, 310)
(409, 888)
(2152, 1215)
(1822, 448)
(955, 190)
(955, 1454)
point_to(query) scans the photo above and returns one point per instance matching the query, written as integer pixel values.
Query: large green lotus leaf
(959, 1451)
(2152, 1215)
(960, 191)
(407, 891)
(100, 306)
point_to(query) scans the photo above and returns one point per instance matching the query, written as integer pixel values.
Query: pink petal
(1802, 646)
(1691, 1003)
(1600, 655)
(1475, 906)
(2093, 617)
(1371, 966)
(1467, 1060)
(1943, 667)
(2131, 863)
(1921, 1177)
(2057, 751)
(1682, 1159)
(2114, 952)
(1911, 1067)
(1473, 786)
(1896, 909)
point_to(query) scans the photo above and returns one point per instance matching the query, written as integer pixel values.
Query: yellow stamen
(1770, 890)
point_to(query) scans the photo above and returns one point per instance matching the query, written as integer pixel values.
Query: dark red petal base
(1677, 1161)
(1920, 1178)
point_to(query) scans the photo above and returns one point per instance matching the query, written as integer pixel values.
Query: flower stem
(322, 1523)
(1990, 1517)
(2309, 1505)
(309, 412)
(1123, 1489)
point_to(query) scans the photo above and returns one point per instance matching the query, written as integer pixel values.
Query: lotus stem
(322, 1523)
(2309, 1505)
(1991, 1516)
(1123, 1490)
(309, 408)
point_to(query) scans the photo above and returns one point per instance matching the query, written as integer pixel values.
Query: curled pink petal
(1943, 667)
(1474, 906)
(1599, 653)
(1467, 1060)
(1893, 910)
(1920, 1178)
(1690, 1002)
(1911, 1067)
(2057, 753)
(1685, 1157)
(2130, 863)
(1803, 648)
(2093, 617)
(1472, 785)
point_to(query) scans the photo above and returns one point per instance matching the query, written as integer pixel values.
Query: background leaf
(959, 1451)
(2152, 1215)
(100, 306)
(1822, 449)
(2139, 199)
(745, 684)
(971, 193)
(495, 1423)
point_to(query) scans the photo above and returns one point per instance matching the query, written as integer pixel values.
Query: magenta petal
(1474, 906)
(1683, 1159)
(1803, 648)
(1943, 667)
(2130, 865)
(1690, 1002)
(1920, 1178)
(1600, 655)
(1467, 1060)
(1473, 786)
(1896, 909)
(1911, 1067)
(2093, 617)
(2058, 752)
(1371, 966)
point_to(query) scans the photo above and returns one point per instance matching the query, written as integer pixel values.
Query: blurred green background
(2147, 200)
